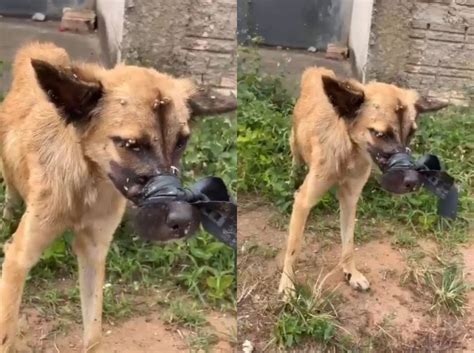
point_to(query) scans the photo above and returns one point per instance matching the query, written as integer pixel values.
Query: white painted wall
(359, 34)
(110, 17)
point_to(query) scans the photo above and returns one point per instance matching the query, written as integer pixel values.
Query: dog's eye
(130, 144)
(377, 134)
(181, 142)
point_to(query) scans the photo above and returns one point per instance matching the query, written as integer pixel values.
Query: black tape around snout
(218, 211)
(403, 175)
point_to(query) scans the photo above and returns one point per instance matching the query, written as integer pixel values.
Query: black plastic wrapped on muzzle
(399, 170)
(209, 196)
(403, 175)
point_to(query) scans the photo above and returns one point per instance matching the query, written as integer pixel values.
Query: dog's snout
(410, 180)
(180, 218)
(171, 170)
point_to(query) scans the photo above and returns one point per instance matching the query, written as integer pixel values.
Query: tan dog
(66, 131)
(338, 127)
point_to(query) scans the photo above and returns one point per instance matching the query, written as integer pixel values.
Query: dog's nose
(180, 218)
(410, 180)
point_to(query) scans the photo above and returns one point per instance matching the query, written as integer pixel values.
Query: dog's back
(318, 137)
(37, 149)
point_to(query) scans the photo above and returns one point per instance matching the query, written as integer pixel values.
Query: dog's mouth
(164, 210)
(399, 174)
(126, 181)
(380, 157)
(164, 221)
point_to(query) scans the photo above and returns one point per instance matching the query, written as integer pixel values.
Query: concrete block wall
(427, 45)
(194, 38)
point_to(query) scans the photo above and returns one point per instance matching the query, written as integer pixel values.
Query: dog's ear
(345, 97)
(74, 97)
(425, 105)
(206, 102)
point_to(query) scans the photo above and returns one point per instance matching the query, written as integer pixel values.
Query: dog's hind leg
(12, 197)
(12, 200)
(297, 172)
(348, 194)
(310, 192)
(91, 244)
(32, 236)
(296, 159)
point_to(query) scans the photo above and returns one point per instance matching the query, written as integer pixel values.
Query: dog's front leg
(348, 194)
(91, 245)
(310, 192)
(33, 235)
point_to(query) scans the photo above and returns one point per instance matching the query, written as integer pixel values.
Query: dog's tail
(296, 159)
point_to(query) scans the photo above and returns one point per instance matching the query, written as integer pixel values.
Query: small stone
(247, 347)
(38, 16)
(312, 49)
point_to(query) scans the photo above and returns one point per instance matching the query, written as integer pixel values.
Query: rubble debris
(78, 20)
(336, 51)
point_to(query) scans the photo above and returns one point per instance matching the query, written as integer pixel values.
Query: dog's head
(131, 122)
(381, 118)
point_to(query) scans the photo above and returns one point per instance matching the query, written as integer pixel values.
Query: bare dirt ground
(141, 334)
(390, 309)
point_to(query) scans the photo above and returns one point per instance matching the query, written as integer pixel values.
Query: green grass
(305, 316)
(202, 341)
(439, 279)
(448, 288)
(264, 168)
(202, 266)
(404, 240)
(183, 313)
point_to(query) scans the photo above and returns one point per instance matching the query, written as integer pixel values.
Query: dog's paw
(357, 280)
(287, 287)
